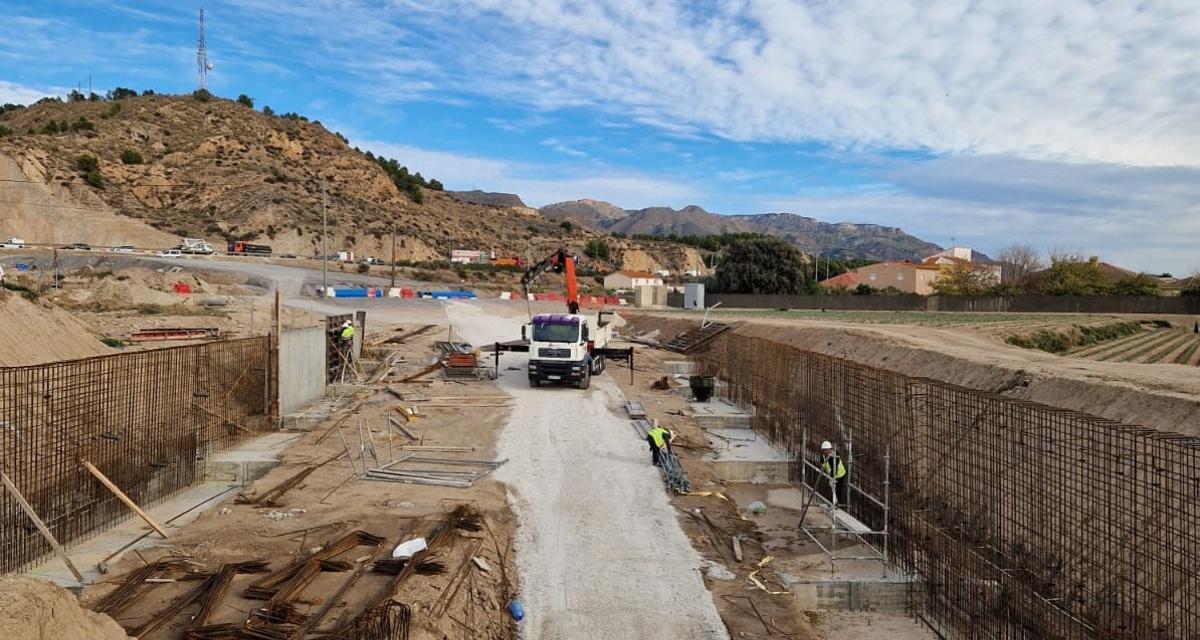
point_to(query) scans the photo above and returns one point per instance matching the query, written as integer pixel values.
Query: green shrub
(1161, 324)
(112, 110)
(5, 131)
(87, 162)
(246, 100)
(113, 342)
(94, 179)
(202, 95)
(50, 128)
(268, 111)
(131, 156)
(566, 224)
(82, 124)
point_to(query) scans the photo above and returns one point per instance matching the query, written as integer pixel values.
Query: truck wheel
(534, 382)
(586, 380)
(600, 366)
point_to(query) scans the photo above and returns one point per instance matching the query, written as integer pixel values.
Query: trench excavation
(1018, 520)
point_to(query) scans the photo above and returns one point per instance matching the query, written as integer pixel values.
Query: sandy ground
(599, 547)
(32, 609)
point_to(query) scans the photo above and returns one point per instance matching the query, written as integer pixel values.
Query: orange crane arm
(572, 285)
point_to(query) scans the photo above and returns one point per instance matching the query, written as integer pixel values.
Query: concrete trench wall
(301, 367)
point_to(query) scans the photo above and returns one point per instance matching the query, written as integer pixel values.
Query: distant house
(848, 280)
(630, 279)
(907, 276)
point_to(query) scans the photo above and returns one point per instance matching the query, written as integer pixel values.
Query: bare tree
(1017, 263)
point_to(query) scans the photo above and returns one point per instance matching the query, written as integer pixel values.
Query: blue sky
(1072, 125)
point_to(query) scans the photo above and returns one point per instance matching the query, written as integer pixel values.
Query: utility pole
(393, 255)
(324, 248)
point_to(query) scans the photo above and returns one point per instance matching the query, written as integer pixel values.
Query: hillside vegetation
(202, 166)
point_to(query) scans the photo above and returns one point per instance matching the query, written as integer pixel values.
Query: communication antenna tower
(202, 64)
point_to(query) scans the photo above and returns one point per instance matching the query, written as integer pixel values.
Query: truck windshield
(555, 332)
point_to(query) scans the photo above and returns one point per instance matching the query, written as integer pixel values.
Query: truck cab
(562, 348)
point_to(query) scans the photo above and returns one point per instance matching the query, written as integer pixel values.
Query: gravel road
(599, 548)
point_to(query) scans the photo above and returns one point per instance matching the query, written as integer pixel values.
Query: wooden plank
(122, 497)
(41, 526)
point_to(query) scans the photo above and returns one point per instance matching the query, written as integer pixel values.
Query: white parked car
(125, 248)
(170, 253)
(13, 243)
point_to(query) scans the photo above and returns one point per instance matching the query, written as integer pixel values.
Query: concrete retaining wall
(301, 367)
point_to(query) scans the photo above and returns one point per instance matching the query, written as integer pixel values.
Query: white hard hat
(826, 445)
(346, 323)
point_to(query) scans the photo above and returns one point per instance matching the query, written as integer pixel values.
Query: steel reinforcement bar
(1022, 521)
(146, 419)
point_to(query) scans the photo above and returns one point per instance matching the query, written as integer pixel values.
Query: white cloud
(13, 93)
(537, 184)
(1072, 79)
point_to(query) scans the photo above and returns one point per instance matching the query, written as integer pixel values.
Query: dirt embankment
(36, 332)
(1165, 397)
(31, 609)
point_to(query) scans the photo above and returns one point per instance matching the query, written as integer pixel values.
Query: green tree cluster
(1137, 285)
(1072, 276)
(5, 131)
(8, 106)
(963, 280)
(120, 93)
(596, 248)
(246, 100)
(409, 183)
(763, 265)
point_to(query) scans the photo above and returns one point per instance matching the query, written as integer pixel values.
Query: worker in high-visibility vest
(835, 470)
(346, 340)
(659, 438)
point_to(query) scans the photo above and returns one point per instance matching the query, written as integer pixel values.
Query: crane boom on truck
(568, 347)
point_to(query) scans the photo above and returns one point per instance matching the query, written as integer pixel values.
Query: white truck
(195, 246)
(13, 243)
(567, 347)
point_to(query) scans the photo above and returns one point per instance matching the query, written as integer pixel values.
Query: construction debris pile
(371, 581)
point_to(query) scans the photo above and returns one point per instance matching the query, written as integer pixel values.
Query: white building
(631, 279)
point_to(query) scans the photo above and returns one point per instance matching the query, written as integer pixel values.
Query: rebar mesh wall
(1021, 521)
(146, 420)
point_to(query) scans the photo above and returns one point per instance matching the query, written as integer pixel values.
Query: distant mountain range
(841, 240)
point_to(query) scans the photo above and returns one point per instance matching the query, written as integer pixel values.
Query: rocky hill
(812, 236)
(597, 213)
(489, 198)
(145, 170)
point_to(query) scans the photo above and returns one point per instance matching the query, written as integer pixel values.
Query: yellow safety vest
(656, 435)
(827, 467)
(348, 333)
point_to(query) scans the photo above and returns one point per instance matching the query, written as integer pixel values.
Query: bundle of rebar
(267, 587)
(134, 585)
(428, 565)
(673, 473)
(387, 621)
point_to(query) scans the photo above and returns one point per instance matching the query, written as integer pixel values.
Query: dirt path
(599, 549)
